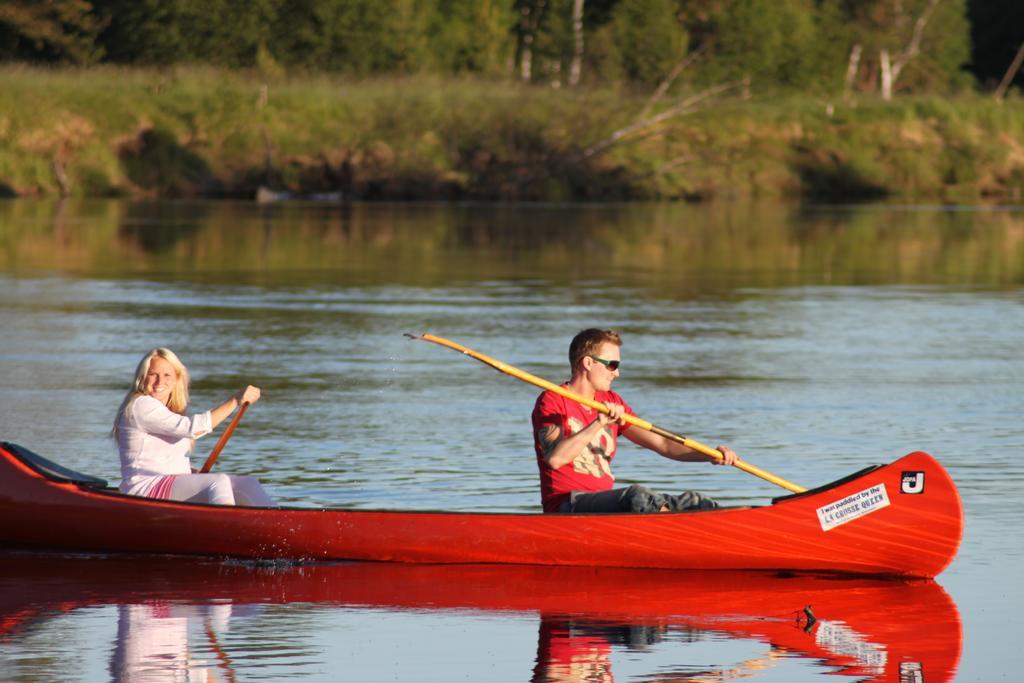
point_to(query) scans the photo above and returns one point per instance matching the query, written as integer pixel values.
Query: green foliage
(648, 38)
(220, 32)
(831, 49)
(142, 31)
(782, 45)
(603, 59)
(358, 36)
(945, 51)
(49, 31)
(775, 43)
(543, 32)
(471, 35)
(355, 36)
(890, 25)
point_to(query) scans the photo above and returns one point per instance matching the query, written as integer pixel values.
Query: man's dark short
(635, 498)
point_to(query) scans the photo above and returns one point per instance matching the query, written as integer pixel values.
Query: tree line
(825, 46)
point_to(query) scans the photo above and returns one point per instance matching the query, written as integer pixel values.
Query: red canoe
(870, 629)
(904, 519)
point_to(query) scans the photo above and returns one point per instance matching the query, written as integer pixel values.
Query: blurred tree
(649, 38)
(356, 36)
(472, 35)
(49, 31)
(142, 31)
(601, 58)
(945, 52)
(787, 43)
(529, 15)
(909, 44)
(544, 39)
(576, 65)
(218, 32)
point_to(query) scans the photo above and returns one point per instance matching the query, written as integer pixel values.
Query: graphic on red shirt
(594, 458)
(591, 469)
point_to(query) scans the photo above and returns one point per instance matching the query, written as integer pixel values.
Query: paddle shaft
(601, 407)
(224, 438)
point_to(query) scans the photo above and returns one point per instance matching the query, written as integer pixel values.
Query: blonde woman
(155, 437)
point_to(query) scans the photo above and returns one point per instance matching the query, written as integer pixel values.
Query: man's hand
(728, 457)
(615, 414)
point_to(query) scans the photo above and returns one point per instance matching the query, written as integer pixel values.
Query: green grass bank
(209, 133)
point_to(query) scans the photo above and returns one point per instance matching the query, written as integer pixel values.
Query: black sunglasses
(612, 365)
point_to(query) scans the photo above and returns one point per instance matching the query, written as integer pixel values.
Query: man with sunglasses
(576, 444)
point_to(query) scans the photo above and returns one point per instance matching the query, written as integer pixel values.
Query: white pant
(220, 489)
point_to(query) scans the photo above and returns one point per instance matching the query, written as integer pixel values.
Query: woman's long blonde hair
(178, 402)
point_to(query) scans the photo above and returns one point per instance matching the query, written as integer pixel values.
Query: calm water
(814, 340)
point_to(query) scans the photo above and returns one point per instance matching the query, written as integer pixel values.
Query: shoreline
(203, 133)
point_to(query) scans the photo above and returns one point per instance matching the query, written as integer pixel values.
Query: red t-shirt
(591, 470)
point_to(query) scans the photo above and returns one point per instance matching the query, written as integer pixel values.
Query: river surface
(813, 340)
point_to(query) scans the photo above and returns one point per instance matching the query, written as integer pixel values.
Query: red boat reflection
(869, 629)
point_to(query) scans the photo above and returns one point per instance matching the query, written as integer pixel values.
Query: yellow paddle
(600, 407)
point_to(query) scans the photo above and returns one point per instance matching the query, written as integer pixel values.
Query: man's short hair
(587, 342)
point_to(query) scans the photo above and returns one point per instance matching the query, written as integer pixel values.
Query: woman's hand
(250, 395)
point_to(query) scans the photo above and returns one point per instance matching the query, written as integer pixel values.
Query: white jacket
(154, 442)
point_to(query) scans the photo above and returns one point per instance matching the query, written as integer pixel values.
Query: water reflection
(679, 247)
(153, 641)
(572, 650)
(177, 619)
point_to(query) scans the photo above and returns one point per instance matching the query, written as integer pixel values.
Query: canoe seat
(50, 469)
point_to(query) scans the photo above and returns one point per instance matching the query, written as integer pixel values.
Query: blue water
(835, 339)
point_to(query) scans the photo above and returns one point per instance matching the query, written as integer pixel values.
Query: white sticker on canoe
(853, 506)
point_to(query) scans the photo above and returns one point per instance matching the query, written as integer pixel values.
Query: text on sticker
(853, 506)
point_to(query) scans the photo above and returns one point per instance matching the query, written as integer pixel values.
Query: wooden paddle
(224, 438)
(600, 407)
